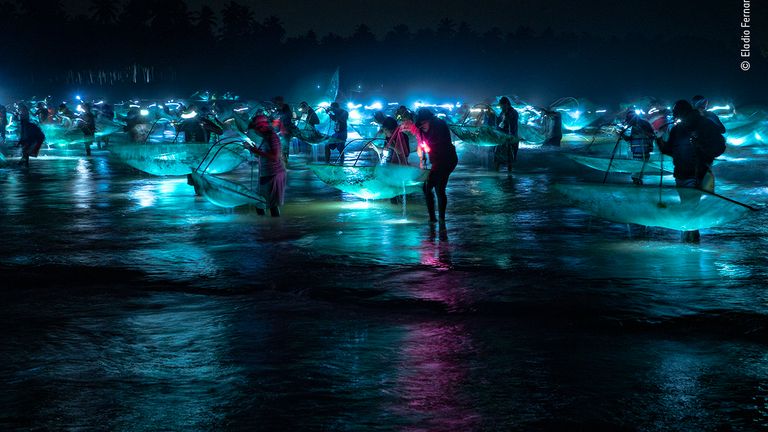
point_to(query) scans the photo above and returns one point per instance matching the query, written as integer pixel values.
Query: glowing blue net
(178, 158)
(225, 193)
(481, 136)
(622, 165)
(654, 206)
(372, 182)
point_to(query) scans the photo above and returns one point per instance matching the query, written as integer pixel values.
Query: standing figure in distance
(339, 138)
(271, 167)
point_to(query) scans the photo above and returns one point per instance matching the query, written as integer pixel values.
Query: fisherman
(271, 167)
(640, 137)
(435, 139)
(31, 137)
(553, 127)
(396, 142)
(508, 124)
(105, 112)
(3, 123)
(65, 115)
(192, 127)
(308, 115)
(42, 114)
(88, 126)
(701, 103)
(339, 138)
(687, 144)
(287, 129)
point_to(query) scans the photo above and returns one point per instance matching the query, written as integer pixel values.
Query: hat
(422, 115)
(681, 109)
(700, 102)
(259, 123)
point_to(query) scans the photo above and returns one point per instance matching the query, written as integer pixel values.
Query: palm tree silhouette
(103, 11)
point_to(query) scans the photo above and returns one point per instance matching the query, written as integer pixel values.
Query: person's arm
(273, 154)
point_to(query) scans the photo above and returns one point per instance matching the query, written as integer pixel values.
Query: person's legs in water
(442, 197)
(689, 195)
(274, 211)
(429, 184)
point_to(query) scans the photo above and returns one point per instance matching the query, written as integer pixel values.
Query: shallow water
(130, 304)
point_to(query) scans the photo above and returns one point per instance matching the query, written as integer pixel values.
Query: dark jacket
(640, 137)
(714, 119)
(442, 153)
(689, 161)
(509, 120)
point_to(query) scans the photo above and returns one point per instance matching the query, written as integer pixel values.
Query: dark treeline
(162, 47)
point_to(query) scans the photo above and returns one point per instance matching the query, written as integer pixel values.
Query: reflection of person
(435, 139)
(271, 167)
(339, 138)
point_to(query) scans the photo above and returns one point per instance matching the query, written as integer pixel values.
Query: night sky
(709, 19)
(606, 50)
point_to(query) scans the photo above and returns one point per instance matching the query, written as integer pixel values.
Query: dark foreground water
(129, 304)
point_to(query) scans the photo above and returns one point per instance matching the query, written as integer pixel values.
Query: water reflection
(432, 373)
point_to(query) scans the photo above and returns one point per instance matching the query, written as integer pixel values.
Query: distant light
(639, 111)
(80, 109)
(134, 106)
(718, 108)
(575, 115)
(758, 136)
(447, 106)
(144, 112)
(318, 86)
(601, 111)
(77, 97)
(355, 114)
(364, 194)
(324, 104)
(351, 105)
(736, 141)
(241, 109)
(374, 106)
(393, 103)
(189, 115)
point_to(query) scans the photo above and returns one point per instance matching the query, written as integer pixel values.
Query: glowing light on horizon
(720, 108)
(189, 115)
(736, 141)
(352, 105)
(144, 112)
(374, 106)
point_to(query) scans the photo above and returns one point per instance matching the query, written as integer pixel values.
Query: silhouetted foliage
(143, 46)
